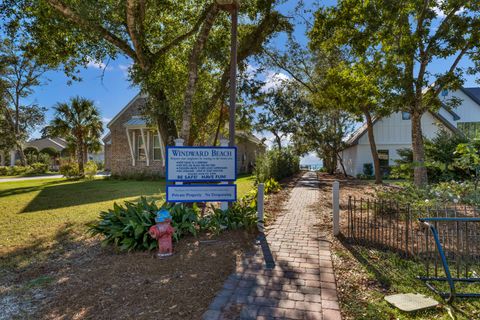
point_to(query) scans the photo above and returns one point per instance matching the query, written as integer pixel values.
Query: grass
(33, 213)
(388, 273)
(29, 175)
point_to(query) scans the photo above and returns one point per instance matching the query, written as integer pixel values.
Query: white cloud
(310, 159)
(125, 68)
(98, 65)
(440, 13)
(270, 141)
(274, 80)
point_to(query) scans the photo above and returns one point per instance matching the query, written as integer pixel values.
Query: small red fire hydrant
(163, 231)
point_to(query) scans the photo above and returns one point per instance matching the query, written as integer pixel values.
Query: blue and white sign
(202, 193)
(201, 164)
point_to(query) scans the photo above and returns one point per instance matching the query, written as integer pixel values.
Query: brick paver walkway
(301, 285)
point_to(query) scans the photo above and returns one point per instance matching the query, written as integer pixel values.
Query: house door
(384, 158)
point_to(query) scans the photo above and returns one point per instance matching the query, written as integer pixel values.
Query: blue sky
(114, 91)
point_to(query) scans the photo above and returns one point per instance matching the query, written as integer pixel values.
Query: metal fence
(388, 225)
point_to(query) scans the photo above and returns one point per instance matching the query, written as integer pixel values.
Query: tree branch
(184, 36)
(131, 9)
(69, 14)
(291, 73)
(451, 70)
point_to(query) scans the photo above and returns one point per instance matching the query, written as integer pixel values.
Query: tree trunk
(85, 154)
(193, 63)
(342, 165)
(80, 147)
(373, 148)
(278, 140)
(420, 177)
(219, 125)
(23, 159)
(165, 122)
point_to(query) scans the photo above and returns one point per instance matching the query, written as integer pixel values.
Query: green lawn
(37, 211)
(392, 275)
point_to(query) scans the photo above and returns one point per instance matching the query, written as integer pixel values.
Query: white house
(394, 132)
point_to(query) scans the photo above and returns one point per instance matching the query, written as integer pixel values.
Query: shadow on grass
(396, 274)
(376, 270)
(21, 190)
(63, 194)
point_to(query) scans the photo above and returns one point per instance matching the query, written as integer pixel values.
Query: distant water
(311, 166)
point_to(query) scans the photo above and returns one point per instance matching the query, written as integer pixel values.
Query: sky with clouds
(106, 82)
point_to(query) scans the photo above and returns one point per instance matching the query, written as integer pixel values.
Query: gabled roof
(129, 104)
(472, 93)
(353, 140)
(57, 143)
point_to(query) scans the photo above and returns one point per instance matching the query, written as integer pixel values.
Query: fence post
(336, 208)
(260, 198)
(224, 205)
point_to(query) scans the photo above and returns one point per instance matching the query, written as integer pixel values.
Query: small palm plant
(79, 122)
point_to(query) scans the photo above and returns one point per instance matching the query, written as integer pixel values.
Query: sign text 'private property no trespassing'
(201, 164)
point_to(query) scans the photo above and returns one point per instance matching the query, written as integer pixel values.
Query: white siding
(468, 110)
(391, 133)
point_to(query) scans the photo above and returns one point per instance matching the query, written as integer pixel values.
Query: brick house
(133, 147)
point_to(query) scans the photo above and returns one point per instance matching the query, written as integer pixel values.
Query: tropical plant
(185, 220)
(127, 226)
(78, 121)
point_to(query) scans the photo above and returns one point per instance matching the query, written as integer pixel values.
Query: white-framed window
(141, 156)
(157, 149)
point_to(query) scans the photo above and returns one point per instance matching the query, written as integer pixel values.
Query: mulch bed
(86, 281)
(90, 282)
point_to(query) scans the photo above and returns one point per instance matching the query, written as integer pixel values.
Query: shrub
(185, 220)
(39, 168)
(70, 170)
(440, 157)
(240, 216)
(90, 169)
(20, 170)
(368, 169)
(30, 150)
(433, 195)
(100, 165)
(4, 171)
(277, 164)
(127, 226)
(52, 152)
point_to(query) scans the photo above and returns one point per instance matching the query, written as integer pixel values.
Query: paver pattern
(301, 284)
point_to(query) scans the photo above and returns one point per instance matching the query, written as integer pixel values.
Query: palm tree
(79, 122)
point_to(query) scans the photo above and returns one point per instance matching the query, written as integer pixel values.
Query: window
(470, 129)
(406, 116)
(157, 150)
(141, 149)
